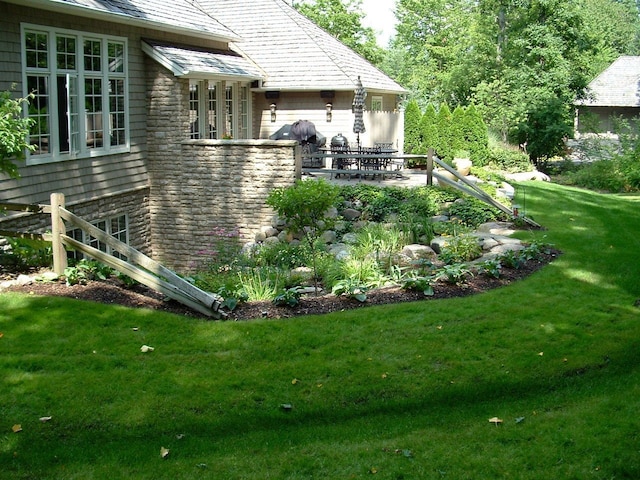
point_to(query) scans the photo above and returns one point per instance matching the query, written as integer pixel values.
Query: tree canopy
(13, 133)
(343, 20)
(521, 62)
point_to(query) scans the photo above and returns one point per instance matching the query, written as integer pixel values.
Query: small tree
(14, 131)
(545, 129)
(458, 130)
(476, 134)
(304, 206)
(412, 134)
(429, 128)
(443, 144)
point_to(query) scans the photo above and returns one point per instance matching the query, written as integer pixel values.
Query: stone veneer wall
(198, 186)
(216, 186)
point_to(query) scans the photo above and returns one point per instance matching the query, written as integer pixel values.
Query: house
(153, 117)
(308, 74)
(613, 93)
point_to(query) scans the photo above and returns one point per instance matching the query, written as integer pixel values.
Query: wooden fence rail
(139, 267)
(461, 183)
(25, 208)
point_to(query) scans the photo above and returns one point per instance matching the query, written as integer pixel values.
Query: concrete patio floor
(406, 178)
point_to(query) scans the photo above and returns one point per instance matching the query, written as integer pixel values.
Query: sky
(379, 16)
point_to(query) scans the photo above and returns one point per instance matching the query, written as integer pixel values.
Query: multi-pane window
(79, 83)
(212, 110)
(218, 110)
(244, 112)
(229, 116)
(376, 103)
(194, 110)
(117, 227)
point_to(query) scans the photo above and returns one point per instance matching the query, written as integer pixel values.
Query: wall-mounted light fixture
(273, 108)
(329, 107)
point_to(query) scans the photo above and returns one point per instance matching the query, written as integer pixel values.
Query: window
(222, 111)
(117, 227)
(229, 114)
(80, 86)
(244, 112)
(376, 103)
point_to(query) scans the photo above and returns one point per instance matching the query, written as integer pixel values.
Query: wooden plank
(58, 229)
(479, 193)
(27, 235)
(21, 207)
(141, 259)
(141, 276)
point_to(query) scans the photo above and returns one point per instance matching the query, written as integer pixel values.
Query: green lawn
(390, 392)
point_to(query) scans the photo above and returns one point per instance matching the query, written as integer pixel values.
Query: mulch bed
(114, 292)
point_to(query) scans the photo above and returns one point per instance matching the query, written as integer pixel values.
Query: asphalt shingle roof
(199, 62)
(616, 86)
(294, 52)
(180, 14)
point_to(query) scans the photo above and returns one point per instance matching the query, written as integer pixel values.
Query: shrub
(282, 255)
(223, 250)
(444, 143)
(24, 254)
(601, 175)
(490, 268)
(473, 212)
(352, 288)
(455, 274)
(476, 135)
(419, 283)
(305, 207)
(289, 297)
(462, 248)
(14, 130)
(509, 159)
(412, 133)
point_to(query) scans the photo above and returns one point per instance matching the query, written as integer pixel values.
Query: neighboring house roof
(182, 16)
(294, 52)
(616, 86)
(200, 63)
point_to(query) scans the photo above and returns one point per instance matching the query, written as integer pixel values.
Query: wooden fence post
(57, 229)
(430, 166)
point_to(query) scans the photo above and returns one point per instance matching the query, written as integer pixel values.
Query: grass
(390, 392)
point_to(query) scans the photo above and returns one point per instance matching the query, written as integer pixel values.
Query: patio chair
(375, 163)
(342, 163)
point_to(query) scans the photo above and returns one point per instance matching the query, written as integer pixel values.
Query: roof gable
(294, 52)
(617, 86)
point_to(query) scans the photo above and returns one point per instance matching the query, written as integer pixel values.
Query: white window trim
(375, 101)
(221, 104)
(86, 237)
(52, 72)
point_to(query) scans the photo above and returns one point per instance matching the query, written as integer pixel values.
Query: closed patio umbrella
(358, 109)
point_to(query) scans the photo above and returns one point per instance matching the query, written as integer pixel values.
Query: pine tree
(429, 128)
(443, 143)
(412, 135)
(458, 130)
(476, 134)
